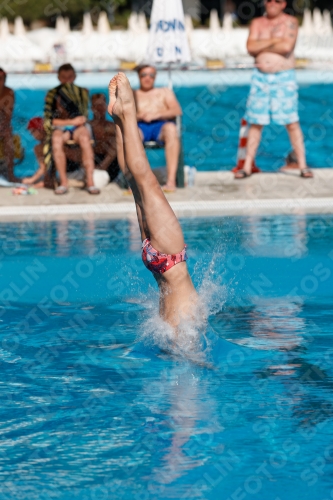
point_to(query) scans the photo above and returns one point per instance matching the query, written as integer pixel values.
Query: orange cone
(242, 145)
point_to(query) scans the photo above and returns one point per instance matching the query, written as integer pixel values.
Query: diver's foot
(121, 100)
(112, 94)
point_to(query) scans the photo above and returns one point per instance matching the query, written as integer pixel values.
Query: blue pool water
(211, 127)
(91, 411)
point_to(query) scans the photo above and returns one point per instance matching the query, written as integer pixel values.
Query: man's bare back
(156, 104)
(6, 109)
(272, 41)
(104, 135)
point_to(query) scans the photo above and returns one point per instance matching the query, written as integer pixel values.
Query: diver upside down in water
(163, 247)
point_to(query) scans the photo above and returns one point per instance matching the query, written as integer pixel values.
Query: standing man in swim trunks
(157, 109)
(65, 118)
(6, 134)
(273, 95)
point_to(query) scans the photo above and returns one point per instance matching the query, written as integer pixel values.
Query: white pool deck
(214, 194)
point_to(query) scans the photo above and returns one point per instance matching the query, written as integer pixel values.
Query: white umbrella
(227, 22)
(132, 22)
(67, 25)
(188, 24)
(307, 25)
(214, 23)
(20, 49)
(142, 22)
(4, 28)
(61, 27)
(19, 29)
(87, 27)
(45, 38)
(189, 29)
(318, 21)
(103, 25)
(327, 22)
(167, 36)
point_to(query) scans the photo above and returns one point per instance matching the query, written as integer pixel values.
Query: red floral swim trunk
(158, 262)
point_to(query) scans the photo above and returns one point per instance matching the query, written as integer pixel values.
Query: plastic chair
(155, 145)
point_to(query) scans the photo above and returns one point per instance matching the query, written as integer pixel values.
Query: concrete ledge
(182, 209)
(214, 194)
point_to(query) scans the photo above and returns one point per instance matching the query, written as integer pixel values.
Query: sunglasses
(151, 75)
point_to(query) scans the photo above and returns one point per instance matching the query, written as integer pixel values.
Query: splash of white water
(189, 341)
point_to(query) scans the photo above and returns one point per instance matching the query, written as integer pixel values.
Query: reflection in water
(134, 234)
(268, 324)
(274, 324)
(191, 412)
(276, 236)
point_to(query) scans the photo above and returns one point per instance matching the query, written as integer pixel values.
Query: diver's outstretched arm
(156, 218)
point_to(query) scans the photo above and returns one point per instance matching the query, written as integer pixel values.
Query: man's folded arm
(286, 45)
(283, 46)
(254, 45)
(58, 122)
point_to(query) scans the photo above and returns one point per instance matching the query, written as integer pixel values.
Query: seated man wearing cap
(65, 119)
(157, 109)
(36, 128)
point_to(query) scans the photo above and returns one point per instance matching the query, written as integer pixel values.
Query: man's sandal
(242, 175)
(92, 190)
(61, 190)
(307, 173)
(168, 189)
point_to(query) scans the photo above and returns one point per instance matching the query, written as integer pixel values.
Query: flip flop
(306, 173)
(92, 190)
(168, 189)
(61, 190)
(242, 173)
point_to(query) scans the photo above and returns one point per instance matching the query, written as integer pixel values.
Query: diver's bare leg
(157, 216)
(128, 176)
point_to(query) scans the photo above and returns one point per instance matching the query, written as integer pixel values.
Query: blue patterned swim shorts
(273, 98)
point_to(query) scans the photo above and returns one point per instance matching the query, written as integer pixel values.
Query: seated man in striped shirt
(65, 119)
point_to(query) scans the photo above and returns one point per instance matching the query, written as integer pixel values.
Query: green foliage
(48, 10)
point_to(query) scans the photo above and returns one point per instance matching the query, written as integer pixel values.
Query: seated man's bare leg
(82, 137)
(169, 136)
(59, 139)
(156, 218)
